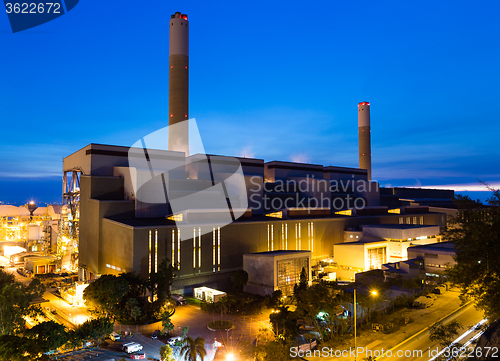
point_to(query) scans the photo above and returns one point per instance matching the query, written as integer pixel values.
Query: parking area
(113, 350)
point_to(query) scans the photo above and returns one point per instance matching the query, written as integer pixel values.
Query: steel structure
(70, 216)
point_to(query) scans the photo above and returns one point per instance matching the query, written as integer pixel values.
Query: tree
(193, 349)
(48, 335)
(14, 348)
(96, 329)
(105, 293)
(131, 305)
(275, 299)
(269, 348)
(476, 235)
(239, 279)
(164, 314)
(302, 285)
(166, 353)
(161, 281)
(444, 335)
(15, 303)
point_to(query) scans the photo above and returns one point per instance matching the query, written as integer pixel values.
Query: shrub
(220, 325)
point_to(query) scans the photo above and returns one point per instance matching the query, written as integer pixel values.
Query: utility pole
(355, 322)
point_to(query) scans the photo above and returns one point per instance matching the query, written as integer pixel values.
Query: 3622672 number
(33, 8)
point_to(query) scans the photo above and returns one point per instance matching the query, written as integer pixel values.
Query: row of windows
(176, 241)
(284, 236)
(411, 220)
(113, 267)
(435, 265)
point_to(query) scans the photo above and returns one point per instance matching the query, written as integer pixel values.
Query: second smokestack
(365, 148)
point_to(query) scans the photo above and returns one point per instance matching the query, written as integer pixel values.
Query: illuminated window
(213, 249)
(408, 220)
(347, 212)
(275, 214)
(149, 251)
(312, 237)
(178, 249)
(272, 237)
(401, 220)
(268, 237)
(173, 247)
(176, 217)
(199, 247)
(309, 236)
(218, 247)
(414, 220)
(194, 247)
(156, 251)
(421, 220)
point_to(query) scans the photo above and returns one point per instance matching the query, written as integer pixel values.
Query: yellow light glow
(230, 357)
(395, 211)
(374, 293)
(347, 212)
(275, 214)
(176, 217)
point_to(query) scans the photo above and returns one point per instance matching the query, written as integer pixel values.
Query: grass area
(220, 325)
(192, 301)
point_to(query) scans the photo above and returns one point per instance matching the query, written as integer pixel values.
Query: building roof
(277, 253)
(398, 226)
(441, 246)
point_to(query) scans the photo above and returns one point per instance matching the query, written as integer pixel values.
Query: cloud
(300, 158)
(246, 152)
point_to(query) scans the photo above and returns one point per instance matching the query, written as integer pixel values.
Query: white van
(114, 336)
(127, 344)
(132, 348)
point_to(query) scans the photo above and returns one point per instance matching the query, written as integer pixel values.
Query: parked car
(138, 356)
(178, 299)
(155, 335)
(114, 336)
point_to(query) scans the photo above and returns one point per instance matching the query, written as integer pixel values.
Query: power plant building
(129, 220)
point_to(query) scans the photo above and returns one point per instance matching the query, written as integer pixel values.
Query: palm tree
(193, 348)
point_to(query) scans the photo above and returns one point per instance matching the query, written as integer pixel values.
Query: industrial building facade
(127, 221)
(117, 234)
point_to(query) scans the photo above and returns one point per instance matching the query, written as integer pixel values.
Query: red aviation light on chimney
(363, 103)
(184, 16)
(171, 115)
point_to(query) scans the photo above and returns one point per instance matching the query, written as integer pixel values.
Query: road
(421, 348)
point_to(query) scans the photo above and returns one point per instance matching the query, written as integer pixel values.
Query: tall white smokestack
(365, 148)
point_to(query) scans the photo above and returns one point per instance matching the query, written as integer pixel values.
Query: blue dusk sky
(276, 80)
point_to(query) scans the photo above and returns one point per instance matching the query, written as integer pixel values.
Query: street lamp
(355, 322)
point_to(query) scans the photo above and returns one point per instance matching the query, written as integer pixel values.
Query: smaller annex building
(275, 270)
(382, 243)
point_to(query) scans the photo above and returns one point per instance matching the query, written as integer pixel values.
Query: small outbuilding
(208, 294)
